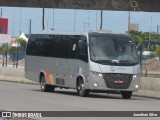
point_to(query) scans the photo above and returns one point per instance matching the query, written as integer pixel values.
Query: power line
(75, 20)
(13, 21)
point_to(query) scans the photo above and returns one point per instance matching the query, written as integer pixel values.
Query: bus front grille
(117, 80)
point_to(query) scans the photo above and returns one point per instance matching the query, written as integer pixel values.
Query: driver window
(82, 49)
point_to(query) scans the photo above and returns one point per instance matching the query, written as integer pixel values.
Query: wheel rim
(81, 88)
(43, 84)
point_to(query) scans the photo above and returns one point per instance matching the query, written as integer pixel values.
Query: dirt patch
(20, 62)
(151, 65)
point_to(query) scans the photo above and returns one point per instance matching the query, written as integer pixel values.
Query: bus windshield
(113, 50)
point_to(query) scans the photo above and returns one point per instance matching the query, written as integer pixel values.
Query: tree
(22, 43)
(3, 49)
(152, 55)
(12, 51)
(158, 51)
(136, 36)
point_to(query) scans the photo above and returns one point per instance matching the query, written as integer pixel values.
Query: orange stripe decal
(49, 78)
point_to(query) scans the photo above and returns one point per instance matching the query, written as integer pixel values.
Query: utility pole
(43, 16)
(157, 29)
(149, 41)
(1, 12)
(20, 23)
(129, 21)
(30, 26)
(6, 53)
(84, 26)
(101, 20)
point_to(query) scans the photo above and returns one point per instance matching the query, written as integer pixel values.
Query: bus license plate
(118, 81)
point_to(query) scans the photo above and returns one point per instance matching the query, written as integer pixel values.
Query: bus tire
(44, 86)
(80, 88)
(126, 94)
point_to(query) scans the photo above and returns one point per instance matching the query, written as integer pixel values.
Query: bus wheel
(45, 87)
(81, 90)
(126, 94)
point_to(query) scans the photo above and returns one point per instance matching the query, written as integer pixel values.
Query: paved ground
(21, 97)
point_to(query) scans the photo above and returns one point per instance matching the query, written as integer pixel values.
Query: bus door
(77, 58)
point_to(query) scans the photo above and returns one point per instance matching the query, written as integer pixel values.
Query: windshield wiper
(115, 61)
(107, 61)
(103, 61)
(126, 61)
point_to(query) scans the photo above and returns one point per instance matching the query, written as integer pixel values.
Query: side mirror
(139, 47)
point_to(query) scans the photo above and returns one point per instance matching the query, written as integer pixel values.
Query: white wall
(5, 38)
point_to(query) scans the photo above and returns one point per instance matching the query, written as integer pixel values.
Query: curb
(16, 79)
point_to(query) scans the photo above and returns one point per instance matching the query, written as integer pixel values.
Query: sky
(63, 20)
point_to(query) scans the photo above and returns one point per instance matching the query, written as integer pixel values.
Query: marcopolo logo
(113, 68)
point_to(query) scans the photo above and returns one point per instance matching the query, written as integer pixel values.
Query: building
(134, 27)
(5, 39)
(3, 26)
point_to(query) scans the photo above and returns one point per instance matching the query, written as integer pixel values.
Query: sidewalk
(14, 75)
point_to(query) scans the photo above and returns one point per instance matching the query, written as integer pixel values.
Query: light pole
(149, 42)
(158, 29)
(129, 21)
(101, 25)
(13, 21)
(17, 54)
(1, 12)
(43, 17)
(6, 53)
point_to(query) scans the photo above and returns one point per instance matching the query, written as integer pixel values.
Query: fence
(147, 73)
(10, 60)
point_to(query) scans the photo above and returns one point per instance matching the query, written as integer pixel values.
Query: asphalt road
(26, 97)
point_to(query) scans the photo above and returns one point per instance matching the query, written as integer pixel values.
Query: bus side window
(35, 41)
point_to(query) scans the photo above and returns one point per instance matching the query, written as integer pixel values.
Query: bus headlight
(134, 76)
(95, 84)
(98, 74)
(136, 86)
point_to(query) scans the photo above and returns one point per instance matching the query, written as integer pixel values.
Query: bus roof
(82, 33)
